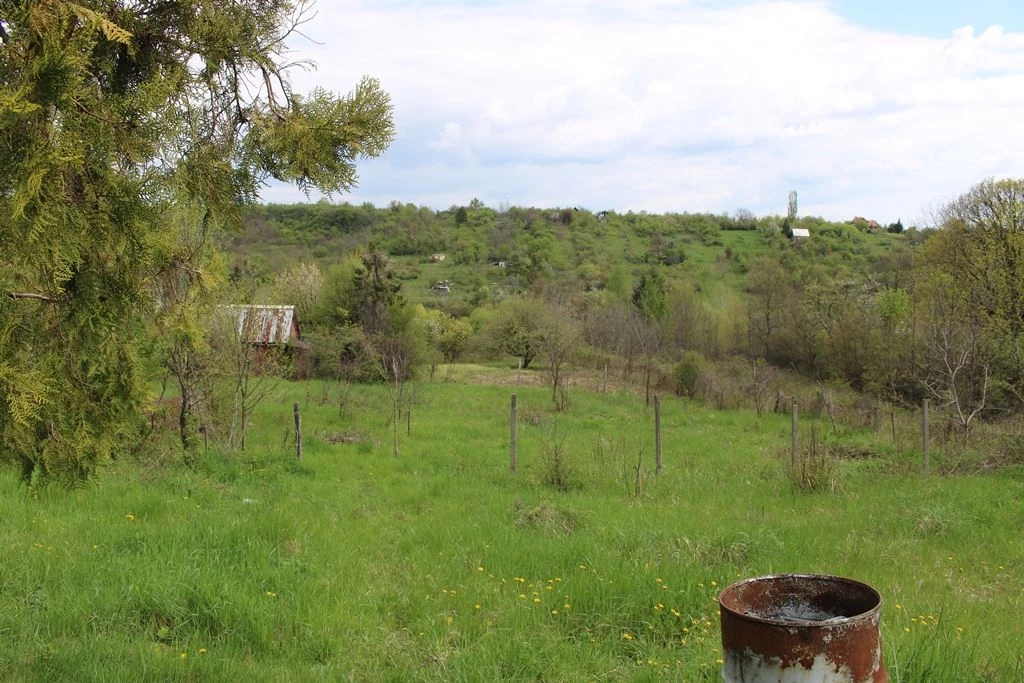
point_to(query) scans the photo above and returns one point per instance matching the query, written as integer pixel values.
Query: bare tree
(759, 382)
(956, 368)
(647, 334)
(395, 365)
(561, 338)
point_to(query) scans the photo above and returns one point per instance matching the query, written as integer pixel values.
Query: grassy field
(441, 564)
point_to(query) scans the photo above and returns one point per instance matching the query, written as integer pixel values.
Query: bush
(687, 374)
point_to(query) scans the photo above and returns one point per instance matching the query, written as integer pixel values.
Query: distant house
(271, 327)
(801, 234)
(436, 258)
(442, 287)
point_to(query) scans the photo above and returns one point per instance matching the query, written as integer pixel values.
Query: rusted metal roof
(260, 324)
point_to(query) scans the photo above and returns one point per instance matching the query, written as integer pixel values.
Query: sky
(886, 109)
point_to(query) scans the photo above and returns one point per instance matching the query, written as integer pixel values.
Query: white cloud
(674, 105)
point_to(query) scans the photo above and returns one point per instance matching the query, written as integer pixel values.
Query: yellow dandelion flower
(271, 594)
(130, 517)
(184, 655)
(476, 606)
(536, 599)
(202, 650)
(555, 612)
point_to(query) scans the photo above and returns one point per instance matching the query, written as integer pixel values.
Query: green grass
(443, 565)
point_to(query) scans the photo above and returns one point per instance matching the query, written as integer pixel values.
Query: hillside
(488, 253)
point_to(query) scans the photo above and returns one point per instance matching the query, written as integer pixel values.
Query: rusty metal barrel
(801, 628)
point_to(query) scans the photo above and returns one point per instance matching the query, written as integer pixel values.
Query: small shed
(272, 327)
(800, 234)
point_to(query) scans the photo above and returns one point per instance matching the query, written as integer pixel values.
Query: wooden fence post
(513, 457)
(657, 434)
(298, 432)
(924, 435)
(796, 432)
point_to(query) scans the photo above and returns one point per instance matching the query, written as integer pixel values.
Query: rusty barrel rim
(867, 605)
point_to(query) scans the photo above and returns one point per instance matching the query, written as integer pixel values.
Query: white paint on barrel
(750, 667)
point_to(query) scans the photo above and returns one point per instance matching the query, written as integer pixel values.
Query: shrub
(687, 374)
(558, 471)
(814, 467)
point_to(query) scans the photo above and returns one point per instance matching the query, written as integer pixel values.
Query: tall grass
(443, 565)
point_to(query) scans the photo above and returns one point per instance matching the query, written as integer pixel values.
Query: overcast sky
(880, 108)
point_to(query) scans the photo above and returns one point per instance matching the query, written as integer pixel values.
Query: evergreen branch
(31, 295)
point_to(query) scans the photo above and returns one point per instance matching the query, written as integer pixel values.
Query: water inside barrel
(797, 612)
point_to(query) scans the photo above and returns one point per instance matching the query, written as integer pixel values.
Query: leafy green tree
(516, 329)
(536, 257)
(448, 335)
(768, 284)
(111, 113)
(970, 293)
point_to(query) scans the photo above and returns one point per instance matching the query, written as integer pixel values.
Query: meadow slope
(441, 564)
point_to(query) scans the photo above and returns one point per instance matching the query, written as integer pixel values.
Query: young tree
(560, 336)
(188, 270)
(649, 295)
(110, 112)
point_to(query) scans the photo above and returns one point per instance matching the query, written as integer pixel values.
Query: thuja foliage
(113, 115)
